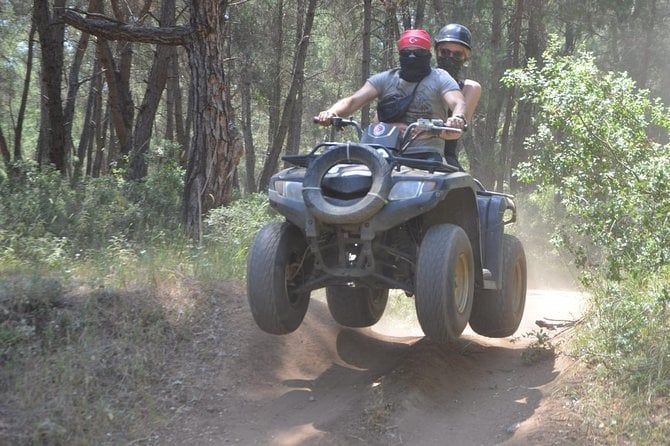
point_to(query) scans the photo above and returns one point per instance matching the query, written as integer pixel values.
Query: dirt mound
(328, 385)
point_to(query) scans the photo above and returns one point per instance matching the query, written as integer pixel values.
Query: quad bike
(365, 217)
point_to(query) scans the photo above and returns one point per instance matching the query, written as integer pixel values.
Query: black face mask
(414, 68)
(450, 65)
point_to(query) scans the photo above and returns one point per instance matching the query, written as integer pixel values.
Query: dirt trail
(325, 385)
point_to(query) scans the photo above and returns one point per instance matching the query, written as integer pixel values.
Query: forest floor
(222, 380)
(386, 385)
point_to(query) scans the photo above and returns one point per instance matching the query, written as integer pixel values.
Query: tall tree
(534, 47)
(365, 59)
(270, 165)
(18, 130)
(51, 31)
(212, 156)
(212, 151)
(152, 96)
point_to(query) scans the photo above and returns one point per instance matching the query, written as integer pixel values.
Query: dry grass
(86, 366)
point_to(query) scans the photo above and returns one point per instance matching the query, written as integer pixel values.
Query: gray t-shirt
(429, 98)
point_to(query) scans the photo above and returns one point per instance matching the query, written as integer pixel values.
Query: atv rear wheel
(362, 209)
(498, 313)
(445, 275)
(356, 306)
(275, 267)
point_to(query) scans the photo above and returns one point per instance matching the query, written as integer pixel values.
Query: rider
(436, 96)
(453, 49)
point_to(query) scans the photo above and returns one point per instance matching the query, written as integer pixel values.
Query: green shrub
(230, 230)
(595, 162)
(593, 150)
(43, 216)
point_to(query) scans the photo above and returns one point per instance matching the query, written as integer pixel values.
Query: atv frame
(365, 217)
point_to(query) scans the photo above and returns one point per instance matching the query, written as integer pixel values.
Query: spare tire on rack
(361, 209)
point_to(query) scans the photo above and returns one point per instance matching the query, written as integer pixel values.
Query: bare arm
(347, 106)
(472, 90)
(456, 103)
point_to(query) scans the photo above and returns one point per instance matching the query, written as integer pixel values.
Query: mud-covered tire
(362, 209)
(356, 306)
(445, 277)
(275, 266)
(498, 313)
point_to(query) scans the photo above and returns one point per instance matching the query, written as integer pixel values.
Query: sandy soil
(386, 385)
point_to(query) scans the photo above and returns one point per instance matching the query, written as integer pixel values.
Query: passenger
(453, 49)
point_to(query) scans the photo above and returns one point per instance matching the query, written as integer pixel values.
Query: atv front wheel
(445, 275)
(356, 306)
(275, 267)
(497, 313)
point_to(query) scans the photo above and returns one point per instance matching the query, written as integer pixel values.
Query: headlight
(404, 190)
(289, 189)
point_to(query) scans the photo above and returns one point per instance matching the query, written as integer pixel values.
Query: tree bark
(270, 165)
(110, 29)
(482, 162)
(274, 97)
(18, 131)
(514, 45)
(365, 60)
(86, 137)
(390, 33)
(51, 32)
(4, 150)
(249, 149)
(295, 122)
(213, 157)
(524, 126)
(121, 106)
(137, 169)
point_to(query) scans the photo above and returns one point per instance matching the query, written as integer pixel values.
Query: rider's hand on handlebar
(453, 122)
(325, 117)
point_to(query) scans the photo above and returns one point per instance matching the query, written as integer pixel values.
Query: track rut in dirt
(387, 385)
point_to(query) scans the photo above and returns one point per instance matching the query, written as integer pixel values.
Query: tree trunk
(18, 131)
(73, 88)
(88, 129)
(137, 169)
(101, 150)
(51, 31)
(365, 62)
(4, 150)
(391, 34)
(482, 162)
(174, 129)
(524, 126)
(295, 121)
(275, 90)
(213, 157)
(515, 44)
(419, 15)
(121, 106)
(298, 73)
(249, 149)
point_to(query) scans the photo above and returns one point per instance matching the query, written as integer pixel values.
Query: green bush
(596, 166)
(593, 150)
(230, 230)
(43, 216)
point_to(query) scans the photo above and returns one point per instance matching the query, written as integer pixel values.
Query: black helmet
(455, 33)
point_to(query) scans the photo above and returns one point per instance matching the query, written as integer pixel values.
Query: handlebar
(422, 125)
(340, 123)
